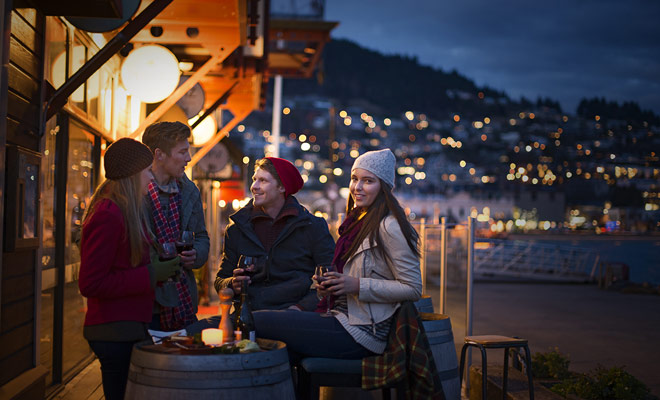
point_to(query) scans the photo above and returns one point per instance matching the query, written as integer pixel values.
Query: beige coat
(383, 286)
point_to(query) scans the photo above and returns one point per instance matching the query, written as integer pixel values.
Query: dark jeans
(115, 358)
(308, 334)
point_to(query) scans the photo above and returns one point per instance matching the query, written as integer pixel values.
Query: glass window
(79, 192)
(57, 37)
(48, 273)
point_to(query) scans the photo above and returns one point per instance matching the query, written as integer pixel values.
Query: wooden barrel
(425, 304)
(438, 331)
(255, 376)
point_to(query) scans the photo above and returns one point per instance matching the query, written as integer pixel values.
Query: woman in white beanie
(377, 262)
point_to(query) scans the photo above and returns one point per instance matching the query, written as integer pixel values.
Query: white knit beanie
(379, 162)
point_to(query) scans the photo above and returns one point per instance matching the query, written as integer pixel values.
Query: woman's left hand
(340, 284)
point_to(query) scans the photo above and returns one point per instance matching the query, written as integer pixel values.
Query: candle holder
(226, 296)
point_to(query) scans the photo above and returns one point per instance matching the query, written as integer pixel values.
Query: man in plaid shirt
(175, 206)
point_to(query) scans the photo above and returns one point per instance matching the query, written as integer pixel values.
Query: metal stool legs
(505, 375)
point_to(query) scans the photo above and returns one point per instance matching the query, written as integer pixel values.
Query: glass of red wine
(185, 241)
(167, 251)
(248, 264)
(319, 277)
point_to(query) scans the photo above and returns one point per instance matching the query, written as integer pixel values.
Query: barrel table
(255, 376)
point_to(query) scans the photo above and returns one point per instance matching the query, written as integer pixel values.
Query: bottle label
(253, 336)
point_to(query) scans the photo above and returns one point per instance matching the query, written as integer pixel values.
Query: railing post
(470, 294)
(422, 248)
(443, 264)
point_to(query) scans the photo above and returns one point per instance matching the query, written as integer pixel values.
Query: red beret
(288, 174)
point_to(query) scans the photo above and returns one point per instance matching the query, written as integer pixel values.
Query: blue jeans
(115, 359)
(307, 334)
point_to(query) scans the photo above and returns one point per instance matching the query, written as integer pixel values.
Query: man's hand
(239, 276)
(188, 258)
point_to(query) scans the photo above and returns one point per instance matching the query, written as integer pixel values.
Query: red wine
(181, 246)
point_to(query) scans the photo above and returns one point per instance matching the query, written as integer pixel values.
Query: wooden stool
(497, 342)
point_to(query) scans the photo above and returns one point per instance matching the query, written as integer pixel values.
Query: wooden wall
(18, 291)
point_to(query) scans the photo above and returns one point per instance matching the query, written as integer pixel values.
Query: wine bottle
(244, 320)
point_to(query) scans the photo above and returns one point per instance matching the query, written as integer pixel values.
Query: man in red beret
(286, 239)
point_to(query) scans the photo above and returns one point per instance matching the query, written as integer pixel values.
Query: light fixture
(203, 132)
(150, 73)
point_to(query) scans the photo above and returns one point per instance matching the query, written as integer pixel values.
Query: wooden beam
(111, 48)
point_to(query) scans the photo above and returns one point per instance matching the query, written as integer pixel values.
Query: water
(641, 254)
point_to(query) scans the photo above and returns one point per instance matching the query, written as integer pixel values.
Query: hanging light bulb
(150, 73)
(203, 132)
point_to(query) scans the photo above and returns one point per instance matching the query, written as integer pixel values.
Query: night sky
(563, 49)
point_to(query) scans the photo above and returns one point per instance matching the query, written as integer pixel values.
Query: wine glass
(167, 251)
(185, 241)
(319, 276)
(248, 264)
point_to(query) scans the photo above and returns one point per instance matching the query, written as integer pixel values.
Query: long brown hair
(384, 204)
(126, 194)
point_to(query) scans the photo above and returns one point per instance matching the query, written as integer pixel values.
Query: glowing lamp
(150, 73)
(203, 132)
(212, 337)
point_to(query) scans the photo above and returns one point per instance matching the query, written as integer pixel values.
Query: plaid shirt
(407, 356)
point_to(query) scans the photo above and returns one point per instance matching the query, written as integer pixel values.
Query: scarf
(167, 227)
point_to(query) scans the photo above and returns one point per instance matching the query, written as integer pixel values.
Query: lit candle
(212, 336)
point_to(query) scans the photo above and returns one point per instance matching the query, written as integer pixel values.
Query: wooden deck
(85, 386)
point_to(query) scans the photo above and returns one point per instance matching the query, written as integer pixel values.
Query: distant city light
(387, 122)
(323, 179)
(240, 128)
(305, 146)
(246, 160)
(302, 138)
(457, 118)
(337, 171)
(343, 114)
(462, 163)
(286, 111)
(354, 153)
(409, 115)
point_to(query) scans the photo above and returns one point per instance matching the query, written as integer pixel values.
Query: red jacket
(115, 290)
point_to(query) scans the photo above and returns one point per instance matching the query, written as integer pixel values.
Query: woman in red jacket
(116, 274)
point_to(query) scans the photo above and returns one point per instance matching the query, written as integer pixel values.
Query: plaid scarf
(166, 224)
(407, 356)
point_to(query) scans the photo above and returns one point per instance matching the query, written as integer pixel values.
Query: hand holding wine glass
(184, 246)
(320, 277)
(248, 264)
(167, 251)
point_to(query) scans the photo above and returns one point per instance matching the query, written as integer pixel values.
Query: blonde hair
(126, 193)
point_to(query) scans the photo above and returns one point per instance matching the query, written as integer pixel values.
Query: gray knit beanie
(379, 162)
